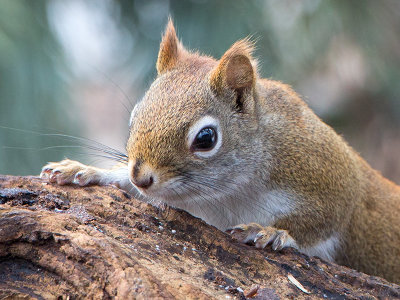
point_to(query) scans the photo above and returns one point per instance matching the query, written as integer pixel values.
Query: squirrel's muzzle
(140, 174)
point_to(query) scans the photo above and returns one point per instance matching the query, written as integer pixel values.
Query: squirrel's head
(193, 132)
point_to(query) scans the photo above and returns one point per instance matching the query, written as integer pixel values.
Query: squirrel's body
(212, 138)
(342, 201)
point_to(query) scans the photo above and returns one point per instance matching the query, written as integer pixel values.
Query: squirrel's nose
(141, 174)
(144, 182)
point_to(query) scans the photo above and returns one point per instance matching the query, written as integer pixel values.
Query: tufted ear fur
(236, 70)
(170, 49)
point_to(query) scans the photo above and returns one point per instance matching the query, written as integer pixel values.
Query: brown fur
(235, 70)
(340, 191)
(170, 51)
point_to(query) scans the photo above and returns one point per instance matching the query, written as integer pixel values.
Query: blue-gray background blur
(70, 67)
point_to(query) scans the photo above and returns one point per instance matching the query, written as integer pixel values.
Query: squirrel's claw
(87, 176)
(69, 172)
(73, 172)
(262, 236)
(270, 235)
(245, 232)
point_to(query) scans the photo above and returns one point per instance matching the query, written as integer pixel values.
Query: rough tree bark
(100, 243)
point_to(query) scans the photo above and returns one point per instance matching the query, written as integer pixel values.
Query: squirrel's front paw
(70, 171)
(262, 236)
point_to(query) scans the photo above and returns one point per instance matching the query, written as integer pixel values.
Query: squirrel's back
(361, 207)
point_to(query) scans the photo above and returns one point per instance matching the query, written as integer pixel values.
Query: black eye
(205, 140)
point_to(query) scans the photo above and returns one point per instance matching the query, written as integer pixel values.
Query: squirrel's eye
(205, 140)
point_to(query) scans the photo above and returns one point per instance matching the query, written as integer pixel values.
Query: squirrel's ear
(236, 69)
(170, 49)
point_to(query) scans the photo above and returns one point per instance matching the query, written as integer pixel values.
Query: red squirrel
(213, 138)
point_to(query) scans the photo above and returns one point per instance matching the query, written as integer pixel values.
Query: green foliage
(32, 93)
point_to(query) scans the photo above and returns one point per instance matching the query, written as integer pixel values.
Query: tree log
(67, 242)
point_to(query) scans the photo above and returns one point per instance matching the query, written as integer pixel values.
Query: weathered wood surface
(99, 243)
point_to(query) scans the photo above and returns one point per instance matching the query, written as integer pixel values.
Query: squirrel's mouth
(168, 191)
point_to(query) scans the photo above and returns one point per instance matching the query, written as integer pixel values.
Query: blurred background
(77, 67)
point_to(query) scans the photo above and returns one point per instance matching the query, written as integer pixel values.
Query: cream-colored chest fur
(226, 210)
(265, 208)
(324, 249)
